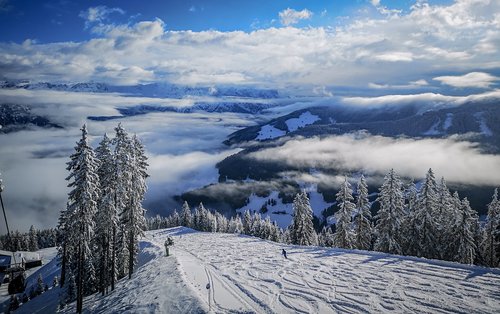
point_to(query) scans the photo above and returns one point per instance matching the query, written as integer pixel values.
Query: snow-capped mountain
(478, 122)
(209, 107)
(480, 118)
(155, 90)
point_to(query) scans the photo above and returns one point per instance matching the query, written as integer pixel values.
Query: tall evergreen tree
(247, 222)
(343, 237)
(132, 216)
(325, 238)
(425, 219)
(123, 179)
(33, 241)
(82, 208)
(390, 215)
(445, 214)
(363, 217)
(302, 228)
(490, 244)
(408, 231)
(107, 216)
(464, 235)
(186, 216)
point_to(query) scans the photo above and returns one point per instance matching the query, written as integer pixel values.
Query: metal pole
(6, 223)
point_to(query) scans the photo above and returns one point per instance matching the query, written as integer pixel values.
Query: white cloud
(98, 14)
(395, 56)
(291, 16)
(375, 3)
(461, 37)
(457, 161)
(426, 99)
(473, 79)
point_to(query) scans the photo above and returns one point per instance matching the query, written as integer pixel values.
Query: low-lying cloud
(473, 79)
(458, 161)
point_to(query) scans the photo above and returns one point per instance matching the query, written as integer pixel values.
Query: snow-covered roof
(5, 253)
(28, 256)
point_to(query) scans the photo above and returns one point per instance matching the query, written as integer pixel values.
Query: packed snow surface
(448, 122)
(304, 119)
(230, 273)
(433, 130)
(247, 274)
(483, 127)
(268, 132)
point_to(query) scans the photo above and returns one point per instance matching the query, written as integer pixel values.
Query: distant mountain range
(17, 117)
(241, 176)
(478, 119)
(155, 90)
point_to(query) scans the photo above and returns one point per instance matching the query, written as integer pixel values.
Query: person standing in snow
(283, 252)
(166, 248)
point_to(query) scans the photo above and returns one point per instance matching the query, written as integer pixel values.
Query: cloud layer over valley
(458, 161)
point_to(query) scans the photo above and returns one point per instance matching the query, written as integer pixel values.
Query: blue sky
(61, 20)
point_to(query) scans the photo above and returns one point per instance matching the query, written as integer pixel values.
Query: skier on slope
(283, 252)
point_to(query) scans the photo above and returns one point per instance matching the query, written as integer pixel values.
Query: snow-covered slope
(282, 212)
(249, 275)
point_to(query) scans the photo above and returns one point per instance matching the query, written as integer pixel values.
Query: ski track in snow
(156, 286)
(247, 274)
(483, 127)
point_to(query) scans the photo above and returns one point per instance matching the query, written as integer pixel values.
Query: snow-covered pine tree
(489, 244)
(256, 224)
(326, 237)
(69, 293)
(81, 209)
(276, 233)
(302, 229)
(33, 241)
(176, 219)
(186, 216)
(464, 235)
(247, 222)
(39, 284)
(425, 219)
(221, 223)
(266, 229)
(63, 247)
(107, 216)
(238, 225)
(123, 156)
(408, 232)
(364, 230)
(343, 236)
(201, 216)
(445, 213)
(132, 216)
(390, 215)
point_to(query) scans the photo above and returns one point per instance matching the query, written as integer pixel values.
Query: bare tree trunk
(131, 254)
(79, 293)
(63, 265)
(113, 260)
